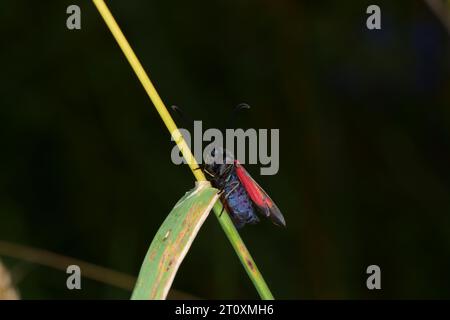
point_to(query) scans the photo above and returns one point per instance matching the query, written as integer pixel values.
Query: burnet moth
(239, 192)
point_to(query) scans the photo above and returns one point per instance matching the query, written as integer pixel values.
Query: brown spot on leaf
(250, 264)
(152, 255)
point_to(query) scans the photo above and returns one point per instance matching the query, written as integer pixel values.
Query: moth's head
(218, 159)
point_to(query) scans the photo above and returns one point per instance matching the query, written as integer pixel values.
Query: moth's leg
(234, 185)
(212, 175)
(223, 205)
(226, 171)
(221, 211)
(200, 167)
(221, 183)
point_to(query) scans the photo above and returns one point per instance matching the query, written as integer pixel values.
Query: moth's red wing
(259, 197)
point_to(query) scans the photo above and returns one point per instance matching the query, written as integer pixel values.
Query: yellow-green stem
(224, 219)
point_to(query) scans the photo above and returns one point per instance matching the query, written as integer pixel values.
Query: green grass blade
(172, 242)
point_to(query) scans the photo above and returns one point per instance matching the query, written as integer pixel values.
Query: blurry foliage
(364, 119)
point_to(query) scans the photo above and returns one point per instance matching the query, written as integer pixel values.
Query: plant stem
(224, 219)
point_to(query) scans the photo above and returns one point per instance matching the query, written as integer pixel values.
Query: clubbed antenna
(234, 113)
(188, 121)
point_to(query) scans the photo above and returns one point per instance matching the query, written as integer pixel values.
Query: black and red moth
(240, 194)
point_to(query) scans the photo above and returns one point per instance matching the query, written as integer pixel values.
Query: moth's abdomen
(237, 200)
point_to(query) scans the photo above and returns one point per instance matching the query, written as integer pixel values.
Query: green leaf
(172, 242)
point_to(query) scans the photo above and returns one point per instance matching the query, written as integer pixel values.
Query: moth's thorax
(218, 161)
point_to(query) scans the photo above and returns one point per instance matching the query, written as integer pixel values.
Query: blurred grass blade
(441, 9)
(172, 242)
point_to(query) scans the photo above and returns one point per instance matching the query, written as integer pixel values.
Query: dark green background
(364, 118)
